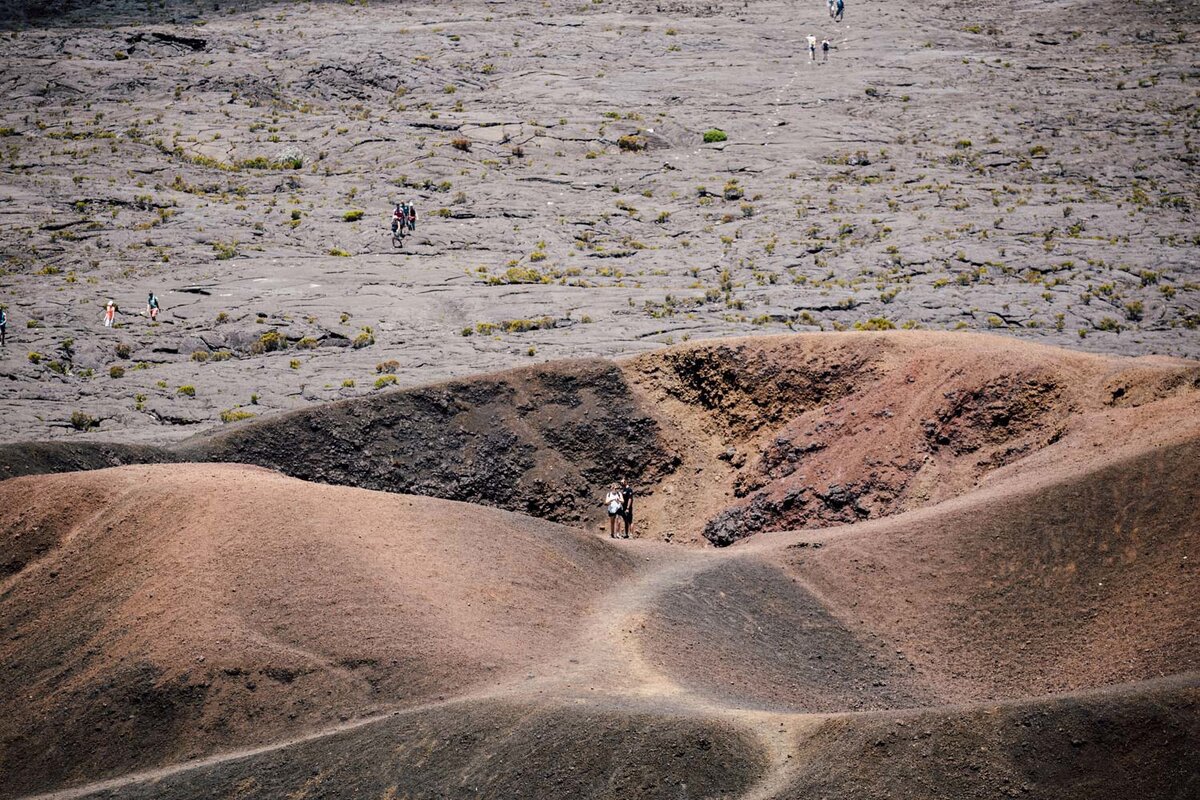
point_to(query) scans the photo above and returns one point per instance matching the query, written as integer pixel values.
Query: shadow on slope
(1032, 589)
(164, 612)
(1139, 741)
(490, 749)
(543, 441)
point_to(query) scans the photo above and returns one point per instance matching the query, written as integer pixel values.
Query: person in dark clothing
(627, 505)
(3, 327)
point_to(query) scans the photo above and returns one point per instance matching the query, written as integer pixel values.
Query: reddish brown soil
(158, 613)
(1019, 619)
(801, 431)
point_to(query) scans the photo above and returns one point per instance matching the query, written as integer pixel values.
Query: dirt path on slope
(605, 668)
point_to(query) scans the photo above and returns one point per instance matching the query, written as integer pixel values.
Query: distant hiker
(613, 503)
(411, 215)
(812, 47)
(626, 505)
(824, 50)
(110, 314)
(152, 307)
(3, 327)
(400, 220)
(841, 9)
(832, 8)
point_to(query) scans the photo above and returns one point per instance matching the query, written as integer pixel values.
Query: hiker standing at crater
(152, 307)
(3, 327)
(824, 50)
(613, 502)
(110, 314)
(839, 10)
(812, 48)
(627, 505)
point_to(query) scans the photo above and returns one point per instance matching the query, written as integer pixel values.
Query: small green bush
(365, 338)
(82, 422)
(225, 250)
(385, 380)
(268, 343)
(714, 135)
(116, 371)
(236, 415)
(186, 389)
(631, 143)
(354, 215)
(875, 324)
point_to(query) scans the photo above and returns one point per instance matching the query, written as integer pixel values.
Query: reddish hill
(1001, 600)
(1042, 584)
(158, 613)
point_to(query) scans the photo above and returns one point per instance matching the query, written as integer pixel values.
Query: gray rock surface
(1022, 168)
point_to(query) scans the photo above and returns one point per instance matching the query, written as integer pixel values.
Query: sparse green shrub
(461, 143)
(225, 250)
(200, 355)
(1108, 324)
(520, 275)
(631, 143)
(35, 357)
(83, 422)
(186, 389)
(116, 371)
(353, 215)
(875, 324)
(308, 343)
(123, 350)
(714, 135)
(236, 415)
(348, 383)
(1134, 310)
(365, 338)
(385, 380)
(339, 252)
(269, 342)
